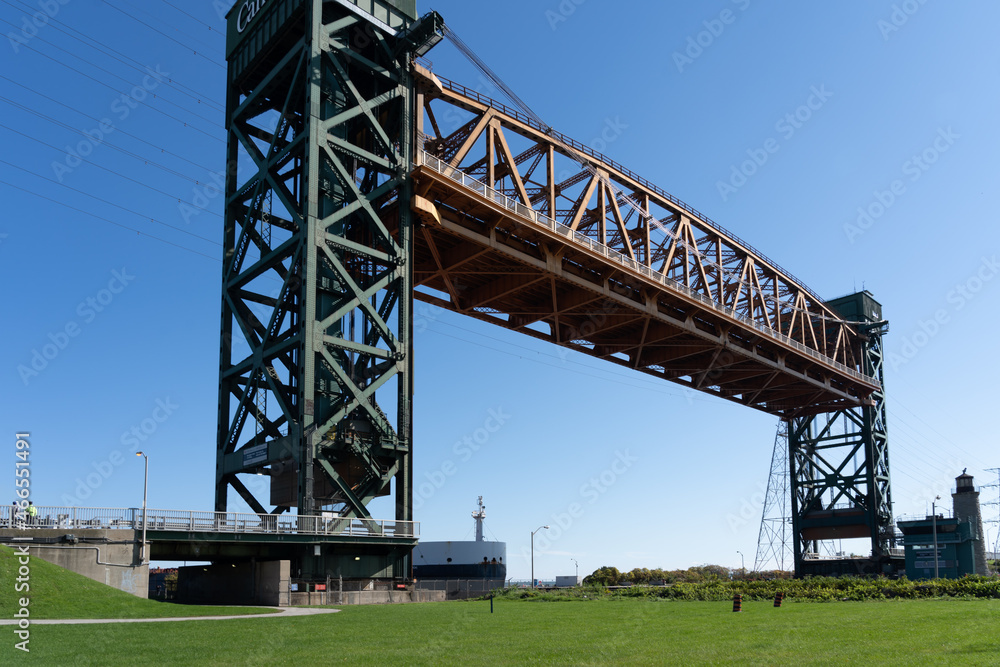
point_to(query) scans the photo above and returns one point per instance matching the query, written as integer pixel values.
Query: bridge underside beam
(474, 257)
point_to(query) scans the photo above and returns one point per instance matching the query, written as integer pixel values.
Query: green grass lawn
(910, 632)
(58, 593)
(577, 632)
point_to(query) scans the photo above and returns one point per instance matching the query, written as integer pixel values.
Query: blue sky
(878, 124)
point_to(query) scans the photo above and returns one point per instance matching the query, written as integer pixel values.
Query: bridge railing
(111, 518)
(600, 157)
(613, 255)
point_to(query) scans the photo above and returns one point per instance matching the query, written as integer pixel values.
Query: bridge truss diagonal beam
(492, 184)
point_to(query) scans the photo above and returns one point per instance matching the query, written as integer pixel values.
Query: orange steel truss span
(517, 232)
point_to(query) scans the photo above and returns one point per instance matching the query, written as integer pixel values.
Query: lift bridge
(359, 180)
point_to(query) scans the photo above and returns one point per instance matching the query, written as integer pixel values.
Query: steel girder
(317, 292)
(839, 469)
(516, 232)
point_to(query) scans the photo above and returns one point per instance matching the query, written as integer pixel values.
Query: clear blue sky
(902, 126)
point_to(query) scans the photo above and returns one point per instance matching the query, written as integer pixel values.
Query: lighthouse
(966, 506)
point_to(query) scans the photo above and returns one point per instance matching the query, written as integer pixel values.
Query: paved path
(282, 612)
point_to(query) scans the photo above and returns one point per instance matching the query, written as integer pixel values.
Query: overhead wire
(102, 142)
(121, 78)
(617, 378)
(120, 57)
(570, 370)
(931, 449)
(938, 433)
(112, 171)
(652, 383)
(191, 16)
(117, 92)
(108, 220)
(101, 120)
(157, 30)
(109, 203)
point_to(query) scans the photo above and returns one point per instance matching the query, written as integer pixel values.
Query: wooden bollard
(738, 602)
(778, 597)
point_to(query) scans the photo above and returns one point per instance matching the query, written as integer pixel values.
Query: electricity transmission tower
(996, 502)
(774, 542)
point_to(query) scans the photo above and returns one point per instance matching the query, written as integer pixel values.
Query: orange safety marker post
(738, 602)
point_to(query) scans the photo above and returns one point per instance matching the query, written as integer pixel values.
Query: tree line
(641, 576)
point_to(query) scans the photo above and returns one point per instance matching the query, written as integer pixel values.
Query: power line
(109, 203)
(103, 142)
(621, 379)
(478, 334)
(193, 94)
(202, 55)
(98, 120)
(121, 78)
(112, 171)
(108, 220)
(195, 18)
(944, 438)
(142, 102)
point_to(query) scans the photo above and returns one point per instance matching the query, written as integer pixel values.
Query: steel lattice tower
(317, 285)
(774, 542)
(992, 503)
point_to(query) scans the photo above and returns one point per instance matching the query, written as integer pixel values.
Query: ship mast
(479, 516)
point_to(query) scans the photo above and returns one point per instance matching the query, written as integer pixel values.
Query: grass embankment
(604, 631)
(58, 593)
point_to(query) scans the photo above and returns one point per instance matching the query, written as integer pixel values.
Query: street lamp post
(533, 553)
(934, 530)
(145, 485)
(743, 563)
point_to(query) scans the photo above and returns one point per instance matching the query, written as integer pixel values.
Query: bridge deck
(224, 526)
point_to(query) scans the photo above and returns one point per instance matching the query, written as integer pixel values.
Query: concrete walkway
(283, 612)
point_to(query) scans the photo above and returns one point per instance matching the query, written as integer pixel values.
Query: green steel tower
(316, 366)
(839, 467)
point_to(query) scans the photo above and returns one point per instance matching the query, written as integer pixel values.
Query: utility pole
(934, 528)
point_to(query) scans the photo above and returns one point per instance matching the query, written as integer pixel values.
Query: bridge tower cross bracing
(839, 467)
(317, 272)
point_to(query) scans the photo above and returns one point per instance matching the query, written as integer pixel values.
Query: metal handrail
(576, 145)
(111, 518)
(537, 217)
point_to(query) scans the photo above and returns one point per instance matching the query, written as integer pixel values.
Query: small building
(567, 581)
(955, 547)
(959, 539)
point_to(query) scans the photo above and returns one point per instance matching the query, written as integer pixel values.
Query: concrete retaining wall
(364, 597)
(114, 563)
